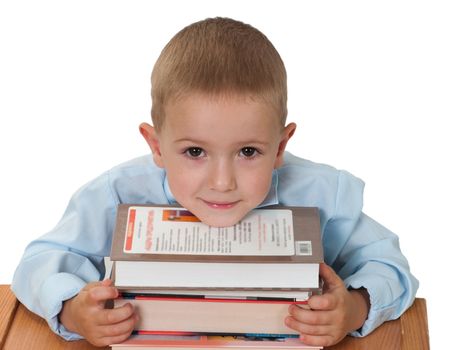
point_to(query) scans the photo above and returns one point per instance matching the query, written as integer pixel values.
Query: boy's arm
(366, 255)
(372, 259)
(55, 267)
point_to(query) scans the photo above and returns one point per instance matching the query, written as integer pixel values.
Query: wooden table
(21, 329)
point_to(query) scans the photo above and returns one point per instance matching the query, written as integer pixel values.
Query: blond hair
(220, 57)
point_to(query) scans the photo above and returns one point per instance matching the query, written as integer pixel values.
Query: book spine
(248, 335)
(201, 298)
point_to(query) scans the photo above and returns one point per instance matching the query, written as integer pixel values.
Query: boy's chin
(215, 222)
(220, 220)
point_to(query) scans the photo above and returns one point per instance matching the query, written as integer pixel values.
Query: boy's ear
(287, 133)
(152, 140)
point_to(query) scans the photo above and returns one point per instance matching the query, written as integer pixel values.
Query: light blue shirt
(57, 265)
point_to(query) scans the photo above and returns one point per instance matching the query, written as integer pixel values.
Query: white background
(377, 88)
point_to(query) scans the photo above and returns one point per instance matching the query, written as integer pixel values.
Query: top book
(169, 240)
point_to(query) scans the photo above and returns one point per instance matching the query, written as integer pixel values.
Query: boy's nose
(222, 177)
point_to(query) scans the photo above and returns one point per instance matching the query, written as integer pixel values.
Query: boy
(218, 149)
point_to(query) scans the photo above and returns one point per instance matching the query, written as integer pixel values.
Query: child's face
(219, 154)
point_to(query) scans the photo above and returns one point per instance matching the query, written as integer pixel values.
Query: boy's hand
(333, 314)
(85, 314)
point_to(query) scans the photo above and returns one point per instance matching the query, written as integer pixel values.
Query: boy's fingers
(91, 285)
(116, 333)
(317, 340)
(112, 316)
(117, 329)
(310, 316)
(322, 302)
(307, 328)
(101, 293)
(114, 340)
(330, 278)
(105, 283)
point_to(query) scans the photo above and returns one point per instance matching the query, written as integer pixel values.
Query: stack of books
(196, 286)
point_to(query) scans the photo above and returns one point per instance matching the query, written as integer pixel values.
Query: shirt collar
(271, 197)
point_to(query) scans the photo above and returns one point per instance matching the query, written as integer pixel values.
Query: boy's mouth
(220, 205)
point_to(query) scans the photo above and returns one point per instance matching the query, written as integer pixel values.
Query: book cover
(275, 234)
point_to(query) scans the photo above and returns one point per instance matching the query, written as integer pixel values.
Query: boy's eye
(248, 151)
(194, 152)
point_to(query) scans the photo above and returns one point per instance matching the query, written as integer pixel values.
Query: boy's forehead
(235, 117)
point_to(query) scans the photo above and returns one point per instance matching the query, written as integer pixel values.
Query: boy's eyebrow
(186, 139)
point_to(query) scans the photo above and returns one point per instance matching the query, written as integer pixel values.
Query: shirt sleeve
(366, 254)
(56, 266)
